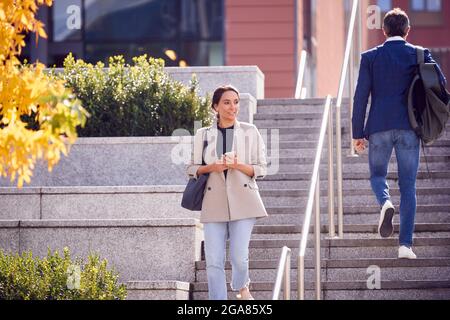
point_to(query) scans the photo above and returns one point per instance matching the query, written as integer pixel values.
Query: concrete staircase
(348, 263)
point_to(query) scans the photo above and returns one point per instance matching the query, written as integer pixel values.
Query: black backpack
(428, 101)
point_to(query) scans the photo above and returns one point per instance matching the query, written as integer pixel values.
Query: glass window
(182, 32)
(67, 20)
(418, 5)
(434, 5)
(131, 20)
(102, 51)
(426, 5)
(202, 53)
(201, 19)
(385, 5)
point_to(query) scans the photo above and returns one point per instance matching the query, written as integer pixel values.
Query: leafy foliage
(55, 277)
(134, 100)
(27, 95)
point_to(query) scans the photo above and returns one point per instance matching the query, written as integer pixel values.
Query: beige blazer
(236, 197)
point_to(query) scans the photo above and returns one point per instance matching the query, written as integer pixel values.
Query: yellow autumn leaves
(26, 91)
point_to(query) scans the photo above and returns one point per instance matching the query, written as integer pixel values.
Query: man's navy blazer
(385, 74)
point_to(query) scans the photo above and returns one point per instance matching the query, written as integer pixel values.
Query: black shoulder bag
(195, 188)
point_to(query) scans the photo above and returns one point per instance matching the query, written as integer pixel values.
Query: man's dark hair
(396, 23)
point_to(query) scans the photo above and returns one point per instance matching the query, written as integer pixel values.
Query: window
(385, 5)
(426, 5)
(192, 30)
(67, 20)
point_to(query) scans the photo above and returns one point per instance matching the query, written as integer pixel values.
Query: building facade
(268, 33)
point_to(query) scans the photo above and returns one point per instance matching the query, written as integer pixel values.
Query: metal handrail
(283, 273)
(301, 74)
(345, 64)
(313, 199)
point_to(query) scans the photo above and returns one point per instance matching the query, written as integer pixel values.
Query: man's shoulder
(371, 52)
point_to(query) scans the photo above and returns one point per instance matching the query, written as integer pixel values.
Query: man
(386, 73)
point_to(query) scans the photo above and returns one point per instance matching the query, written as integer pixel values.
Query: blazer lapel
(212, 143)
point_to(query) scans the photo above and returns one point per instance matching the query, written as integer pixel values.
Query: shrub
(134, 100)
(55, 277)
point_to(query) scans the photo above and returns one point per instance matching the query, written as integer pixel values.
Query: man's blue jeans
(407, 149)
(216, 235)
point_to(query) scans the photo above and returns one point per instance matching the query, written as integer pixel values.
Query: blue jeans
(216, 235)
(407, 149)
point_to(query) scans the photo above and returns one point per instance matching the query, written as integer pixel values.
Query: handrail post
(283, 271)
(339, 174)
(317, 238)
(331, 230)
(348, 46)
(351, 86)
(301, 278)
(300, 75)
(287, 277)
(313, 201)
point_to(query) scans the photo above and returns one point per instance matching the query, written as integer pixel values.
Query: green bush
(134, 100)
(55, 277)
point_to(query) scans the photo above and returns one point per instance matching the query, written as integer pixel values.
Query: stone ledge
(158, 285)
(94, 189)
(100, 223)
(158, 290)
(133, 140)
(9, 223)
(216, 69)
(139, 250)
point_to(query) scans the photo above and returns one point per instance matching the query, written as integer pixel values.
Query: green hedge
(55, 277)
(134, 100)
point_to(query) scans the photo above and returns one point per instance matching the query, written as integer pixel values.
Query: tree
(26, 92)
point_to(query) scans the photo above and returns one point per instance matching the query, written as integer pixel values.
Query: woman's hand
(231, 163)
(219, 166)
(244, 168)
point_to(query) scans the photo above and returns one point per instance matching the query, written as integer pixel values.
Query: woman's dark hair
(396, 23)
(218, 95)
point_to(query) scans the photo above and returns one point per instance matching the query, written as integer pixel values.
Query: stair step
(313, 144)
(348, 274)
(425, 208)
(372, 234)
(356, 218)
(343, 243)
(356, 167)
(315, 121)
(355, 175)
(344, 263)
(355, 192)
(431, 251)
(345, 285)
(267, 230)
(389, 294)
(349, 198)
(351, 160)
(347, 184)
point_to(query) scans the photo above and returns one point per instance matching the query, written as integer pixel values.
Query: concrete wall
(133, 161)
(120, 202)
(247, 79)
(139, 250)
(158, 290)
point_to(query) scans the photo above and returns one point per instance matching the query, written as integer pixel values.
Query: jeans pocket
(408, 140)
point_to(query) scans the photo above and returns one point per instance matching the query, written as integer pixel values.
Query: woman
(234, 158)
